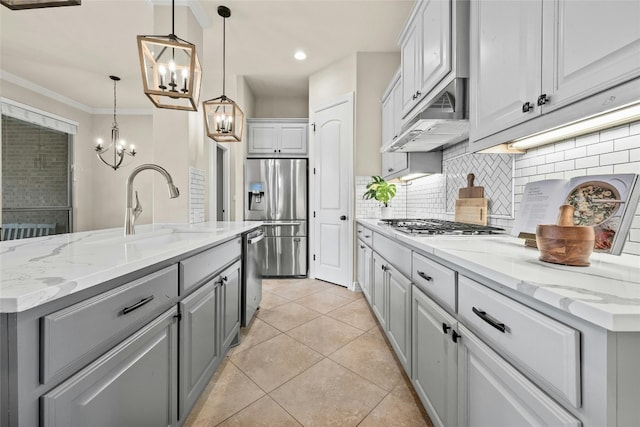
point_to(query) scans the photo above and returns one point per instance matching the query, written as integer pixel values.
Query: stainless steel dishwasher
(253, 252)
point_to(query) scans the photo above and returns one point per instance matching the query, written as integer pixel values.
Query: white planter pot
(386, 212)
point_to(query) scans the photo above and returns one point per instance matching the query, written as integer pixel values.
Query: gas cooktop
(439, 227)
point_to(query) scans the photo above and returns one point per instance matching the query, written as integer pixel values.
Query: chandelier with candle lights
(117, 145)
(171, 72)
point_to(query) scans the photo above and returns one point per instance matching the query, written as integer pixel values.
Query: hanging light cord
(173, 17)
(224, 54)
(115, 121)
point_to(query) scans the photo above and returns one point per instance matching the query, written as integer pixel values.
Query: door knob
(343, 217)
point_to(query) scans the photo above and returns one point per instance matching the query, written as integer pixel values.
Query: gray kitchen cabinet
(435, 358)
(364, 264)
(133, 384)
(379, 290)
(69, 335)
(434, 50)
(391, 303)
(116, 354)
(531, 59)
(398, 289)
(277, 137)
(200, 352)
(493, 393)
(230, 280)
(391, 126)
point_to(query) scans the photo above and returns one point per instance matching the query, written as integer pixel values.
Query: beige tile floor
(313, 356)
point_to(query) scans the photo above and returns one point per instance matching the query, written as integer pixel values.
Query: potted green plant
(382, 191)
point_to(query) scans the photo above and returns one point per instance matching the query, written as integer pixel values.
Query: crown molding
(41, 90)
(29, 85)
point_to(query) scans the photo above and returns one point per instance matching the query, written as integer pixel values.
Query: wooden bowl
(567, 245)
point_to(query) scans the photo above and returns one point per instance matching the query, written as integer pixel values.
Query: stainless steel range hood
(443, 122)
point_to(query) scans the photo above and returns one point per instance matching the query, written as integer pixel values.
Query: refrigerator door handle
(256, 239)
(276, 224)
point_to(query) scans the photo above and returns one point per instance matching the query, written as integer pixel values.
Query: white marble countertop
(607, 293)
(42, 269)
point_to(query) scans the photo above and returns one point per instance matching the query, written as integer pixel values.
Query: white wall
(285, 107)
(374, 71)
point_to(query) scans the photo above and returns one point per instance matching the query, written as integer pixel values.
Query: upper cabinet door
(411, 56)
(505, 64)
(293, 138)
(435, 37)
(263, 138)
(588, 47)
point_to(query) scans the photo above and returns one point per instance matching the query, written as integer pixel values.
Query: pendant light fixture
(117, 144)
(223, 118)
(171, 71)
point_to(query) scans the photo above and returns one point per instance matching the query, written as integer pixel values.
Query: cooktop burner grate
(439, 227)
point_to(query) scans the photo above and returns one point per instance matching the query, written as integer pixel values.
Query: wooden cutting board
(472, 211)
(471, 192)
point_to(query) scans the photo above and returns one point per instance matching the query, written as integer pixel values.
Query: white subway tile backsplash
(554, 157)
(196, 195)
(603, 147)
(575, 172)
(585, 140)
(627, 143)
(575, 153)
(565, 166)
(614, 158)
(546, 168)
(616, 150)
(588, 162)
(627, 168)
(600, 170)
(614, 133)
(555, 175)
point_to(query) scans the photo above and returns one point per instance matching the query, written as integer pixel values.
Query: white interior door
(333, 188)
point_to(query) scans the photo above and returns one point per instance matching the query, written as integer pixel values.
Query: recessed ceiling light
(300, 55)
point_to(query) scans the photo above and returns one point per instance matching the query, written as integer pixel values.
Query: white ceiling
(72, 50)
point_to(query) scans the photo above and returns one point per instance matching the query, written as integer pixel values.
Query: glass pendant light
(223, 118)
(171, 71)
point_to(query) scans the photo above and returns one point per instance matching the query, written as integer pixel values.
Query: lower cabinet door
(230, 310)
(199, 348)
(363, 262)
(133, 384)
(435, 365)
(379, 291)
(367, 264)
(399, 317)
(493, 393)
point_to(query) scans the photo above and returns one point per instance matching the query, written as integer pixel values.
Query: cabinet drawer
(435, 280)
(546, 349)
(364, 234)
(132, 384)
(70, 334)
(199, 267)
(395, 253)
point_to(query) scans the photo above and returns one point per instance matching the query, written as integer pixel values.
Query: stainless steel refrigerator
(276, 193)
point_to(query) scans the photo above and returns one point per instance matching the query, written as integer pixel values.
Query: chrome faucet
(132, 213)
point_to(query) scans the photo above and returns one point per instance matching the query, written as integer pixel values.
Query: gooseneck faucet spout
(132, 213)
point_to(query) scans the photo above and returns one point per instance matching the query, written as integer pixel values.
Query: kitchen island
(91, 323)
(491, 335)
